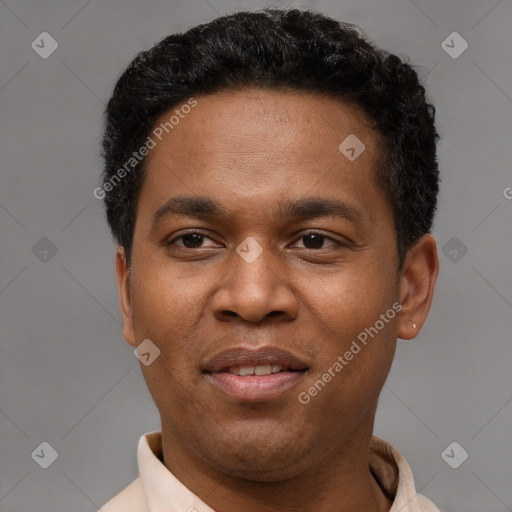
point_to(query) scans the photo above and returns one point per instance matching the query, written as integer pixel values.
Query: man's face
(319, 281)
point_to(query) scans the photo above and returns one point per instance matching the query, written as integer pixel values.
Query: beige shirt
(156, 489)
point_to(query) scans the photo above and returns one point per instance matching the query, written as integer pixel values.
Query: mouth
(260, 370)
(254, 375)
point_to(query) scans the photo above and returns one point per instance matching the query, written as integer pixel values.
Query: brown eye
(315, 240)
(191, 240)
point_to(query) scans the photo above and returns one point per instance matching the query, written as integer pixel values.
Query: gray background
(67, 376)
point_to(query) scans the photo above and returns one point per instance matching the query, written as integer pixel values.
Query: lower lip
(255, 388)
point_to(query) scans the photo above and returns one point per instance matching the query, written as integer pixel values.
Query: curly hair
(278, 49)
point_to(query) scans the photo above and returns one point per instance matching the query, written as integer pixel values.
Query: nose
(255, 291)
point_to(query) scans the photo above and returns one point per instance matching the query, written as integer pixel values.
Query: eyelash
(196, 232)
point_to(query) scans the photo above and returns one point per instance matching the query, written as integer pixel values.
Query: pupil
(196, 239)
(317, 241)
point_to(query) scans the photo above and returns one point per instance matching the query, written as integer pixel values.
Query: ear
(125, 302)
(417, 282)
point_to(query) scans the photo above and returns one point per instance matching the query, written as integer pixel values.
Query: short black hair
(276, 49)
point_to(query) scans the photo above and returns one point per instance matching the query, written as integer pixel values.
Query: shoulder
(132, 498)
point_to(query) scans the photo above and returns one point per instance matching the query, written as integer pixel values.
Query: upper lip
(241, 356)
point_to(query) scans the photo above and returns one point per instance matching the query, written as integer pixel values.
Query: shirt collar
(164, 492)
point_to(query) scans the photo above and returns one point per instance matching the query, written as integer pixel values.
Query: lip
(241, 356)
(254, 388)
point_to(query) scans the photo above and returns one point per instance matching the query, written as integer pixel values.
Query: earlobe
(417, 283)
(123, 286)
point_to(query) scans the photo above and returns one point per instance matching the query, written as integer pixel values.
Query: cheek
(349, 300)
(165, 304)
(347, 317)
(167, 312)
(170, 311)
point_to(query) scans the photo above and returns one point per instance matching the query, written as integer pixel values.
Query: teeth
(266, 369)
(263, 370)
(246, 370)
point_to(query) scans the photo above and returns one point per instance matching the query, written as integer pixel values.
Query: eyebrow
(305, 208)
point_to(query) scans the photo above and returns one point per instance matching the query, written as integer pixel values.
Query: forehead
(257, 146)
(251, 118)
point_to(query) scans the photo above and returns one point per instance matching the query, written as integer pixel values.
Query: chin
(278, 471)
(265, 459)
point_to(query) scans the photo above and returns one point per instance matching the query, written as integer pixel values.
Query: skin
(249, 151)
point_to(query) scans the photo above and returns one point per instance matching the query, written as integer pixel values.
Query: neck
(338, 481)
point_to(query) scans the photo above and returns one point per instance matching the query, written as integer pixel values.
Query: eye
(315, 240)
(194, 240)
(191, 240)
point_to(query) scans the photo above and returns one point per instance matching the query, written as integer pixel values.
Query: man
(271, 181)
